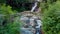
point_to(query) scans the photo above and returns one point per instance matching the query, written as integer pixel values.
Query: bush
(11, 28)
(51, 19)
(7, 27)
(6, 11)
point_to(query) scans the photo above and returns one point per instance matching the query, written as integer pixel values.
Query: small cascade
(30, 22)
(35, 5)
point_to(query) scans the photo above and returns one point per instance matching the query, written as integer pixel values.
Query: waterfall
(35, 5)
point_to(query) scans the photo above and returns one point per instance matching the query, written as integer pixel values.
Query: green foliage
(8, 27)
(5, 10)
(45, 5)
(11, 28)
(51, 19)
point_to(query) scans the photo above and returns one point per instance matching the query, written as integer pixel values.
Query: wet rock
(30, 25)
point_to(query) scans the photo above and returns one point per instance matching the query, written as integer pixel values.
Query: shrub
(5, 10)
(7, 27)
(11, 28)
(51, 19)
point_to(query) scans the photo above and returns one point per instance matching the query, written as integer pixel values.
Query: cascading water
(35, 5)
(33, 8)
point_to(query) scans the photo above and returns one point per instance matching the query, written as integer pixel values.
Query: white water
(35, 5)
(33, 8)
